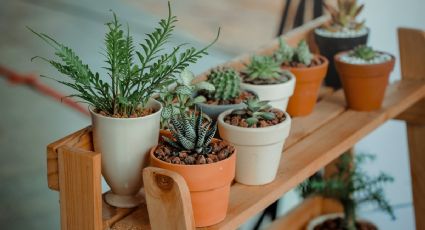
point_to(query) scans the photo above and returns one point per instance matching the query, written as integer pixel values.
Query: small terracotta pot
(209, 185)
(307, 88)
(364, 84)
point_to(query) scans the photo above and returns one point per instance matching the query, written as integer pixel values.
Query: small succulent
(287, 54)
(303, 53)
(344, 18)
(264, 69)
(226, 82)
(364, 52)
(255, 110)
(191, 133)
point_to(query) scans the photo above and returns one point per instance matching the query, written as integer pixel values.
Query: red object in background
(32, 81)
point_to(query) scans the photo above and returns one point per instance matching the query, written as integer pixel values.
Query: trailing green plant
(255, 110)
(130, 85)
(364, 52)
(351, 186)
(344, 17)
(179, 99)
(226, 82)
(191, 133)
(264, 70)
(286, 54)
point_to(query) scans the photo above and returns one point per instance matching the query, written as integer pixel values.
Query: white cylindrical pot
(322, 218)
(259, 149)
(277, 94)
(124, 144)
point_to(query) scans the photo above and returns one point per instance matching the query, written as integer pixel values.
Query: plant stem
(350, 214)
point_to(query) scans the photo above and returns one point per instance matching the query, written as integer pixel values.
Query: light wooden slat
(110, 215)
(412, 53)
(414, 114)
(80, 189)
(80, 139)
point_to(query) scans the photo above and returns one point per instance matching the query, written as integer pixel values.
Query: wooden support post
(412, 59)
(80, 189)
(168, 200)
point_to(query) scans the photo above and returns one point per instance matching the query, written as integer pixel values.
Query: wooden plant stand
(74, 169)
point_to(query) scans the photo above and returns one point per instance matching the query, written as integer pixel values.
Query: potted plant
(226, 94)
(258, 132)
(268, 81)
(206, 164)
(364, 73)
(309, 71)
(352, 187)
(125, 118)
(342, 32)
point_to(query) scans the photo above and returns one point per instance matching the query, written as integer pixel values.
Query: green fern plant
(130, 85)
(364, 52)
(226, 82)
(191, 133)
(351, 186)
(264, 70)
(254, 111)
(344, 17)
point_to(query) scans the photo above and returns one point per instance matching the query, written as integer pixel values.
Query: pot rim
(284, 123)
(324, 63)
(337, 58)
(291, 75)
(315, 221)
(228, 105)
(90, 107)
(153, 157)
(356, 36)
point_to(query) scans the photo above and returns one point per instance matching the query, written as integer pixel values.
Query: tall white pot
(259, 149)
(124, 144)
(277, 94)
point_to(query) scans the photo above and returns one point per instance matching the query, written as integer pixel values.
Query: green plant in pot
(264, 77)
(125, 118)
(206, 164)
(227, 93)
(342, 32)
(364, 73)
(309, 70)
(352, 187)
(258, 131)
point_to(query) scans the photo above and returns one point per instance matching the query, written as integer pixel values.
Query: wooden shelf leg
(168, 200)
(80, 189)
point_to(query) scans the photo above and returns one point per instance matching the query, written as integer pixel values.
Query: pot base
(122, 201)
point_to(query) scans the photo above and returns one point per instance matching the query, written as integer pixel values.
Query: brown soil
(220, 151)
(240, 120)
(244, 95)
(270, 81)
(336, 224)
(315, 62)
(137, 113)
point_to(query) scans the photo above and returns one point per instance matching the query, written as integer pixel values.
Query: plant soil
(337, 224)
(244, 95)
(136, 114)
(294, 64)
(220, 150)
(269, 81)
(240, 120)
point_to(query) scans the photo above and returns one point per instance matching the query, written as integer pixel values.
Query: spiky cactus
(191, 133)
(264, 70)
(303, 53)
(364, 52)
(255, 110)
(226, 82)
(344, 18)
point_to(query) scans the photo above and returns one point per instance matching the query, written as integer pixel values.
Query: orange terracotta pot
(364, 84)
(308, 82)
(209, 186)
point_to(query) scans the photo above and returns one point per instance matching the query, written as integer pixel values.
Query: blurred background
(29, 120)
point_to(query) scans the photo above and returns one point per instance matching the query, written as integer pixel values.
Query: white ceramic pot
(277, 94)
(320, 219)
(259, 149)
(124, 144)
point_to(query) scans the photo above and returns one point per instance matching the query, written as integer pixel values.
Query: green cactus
(255, 110)
(364, 52)
(265, 70)
(303, 53)
(285, 53)
(191, 133)
(226, 82)
(345, 16)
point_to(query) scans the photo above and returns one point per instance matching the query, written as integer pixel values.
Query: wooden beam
(80, 189)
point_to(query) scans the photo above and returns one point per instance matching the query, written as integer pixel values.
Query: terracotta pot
(124, 144)
(364, 84)
(307, 88)
(320, 219)
(259, 149)
(209, 186)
